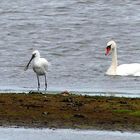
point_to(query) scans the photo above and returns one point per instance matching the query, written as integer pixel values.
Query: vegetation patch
(135, 113)
(123, 111)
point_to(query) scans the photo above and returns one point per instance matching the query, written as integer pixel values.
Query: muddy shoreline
(65, 110)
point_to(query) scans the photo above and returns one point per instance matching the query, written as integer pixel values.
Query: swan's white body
(124, 69)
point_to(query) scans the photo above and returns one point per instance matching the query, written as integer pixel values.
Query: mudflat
(65, 110)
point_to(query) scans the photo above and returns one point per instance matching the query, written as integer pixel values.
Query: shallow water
(63, 134)
(72, 35)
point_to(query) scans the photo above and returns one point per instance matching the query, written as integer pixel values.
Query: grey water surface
(64, 134)
(72, 35)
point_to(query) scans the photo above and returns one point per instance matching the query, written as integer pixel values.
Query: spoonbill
(40, 67)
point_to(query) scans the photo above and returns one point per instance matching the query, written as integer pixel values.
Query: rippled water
(64, 134)
(72, 35)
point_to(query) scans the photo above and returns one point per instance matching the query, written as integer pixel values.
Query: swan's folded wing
(129, 69)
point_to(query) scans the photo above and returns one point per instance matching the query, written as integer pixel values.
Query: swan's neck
(113, 68)
(114, 59)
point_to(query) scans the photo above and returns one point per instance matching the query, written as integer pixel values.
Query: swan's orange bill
(107, 50)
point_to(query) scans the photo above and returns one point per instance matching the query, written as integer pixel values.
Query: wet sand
(65, 110)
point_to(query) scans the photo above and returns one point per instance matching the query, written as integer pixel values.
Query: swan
(132, 69)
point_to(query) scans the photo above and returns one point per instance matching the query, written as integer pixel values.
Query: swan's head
(111, 45)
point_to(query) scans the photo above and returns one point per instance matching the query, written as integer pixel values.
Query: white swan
(124, 69)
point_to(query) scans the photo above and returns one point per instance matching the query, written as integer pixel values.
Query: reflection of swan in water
(124, 69)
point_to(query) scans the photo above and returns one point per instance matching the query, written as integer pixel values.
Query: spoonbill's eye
(34, 54)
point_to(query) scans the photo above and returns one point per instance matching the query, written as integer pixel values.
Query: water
(63, 134)
(72, 35)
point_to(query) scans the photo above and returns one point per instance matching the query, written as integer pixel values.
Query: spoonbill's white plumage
(40, 66)
(124, 69)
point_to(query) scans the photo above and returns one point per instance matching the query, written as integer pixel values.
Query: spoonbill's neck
(37, 57)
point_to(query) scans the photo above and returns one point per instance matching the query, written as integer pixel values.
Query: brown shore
(66, 110)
